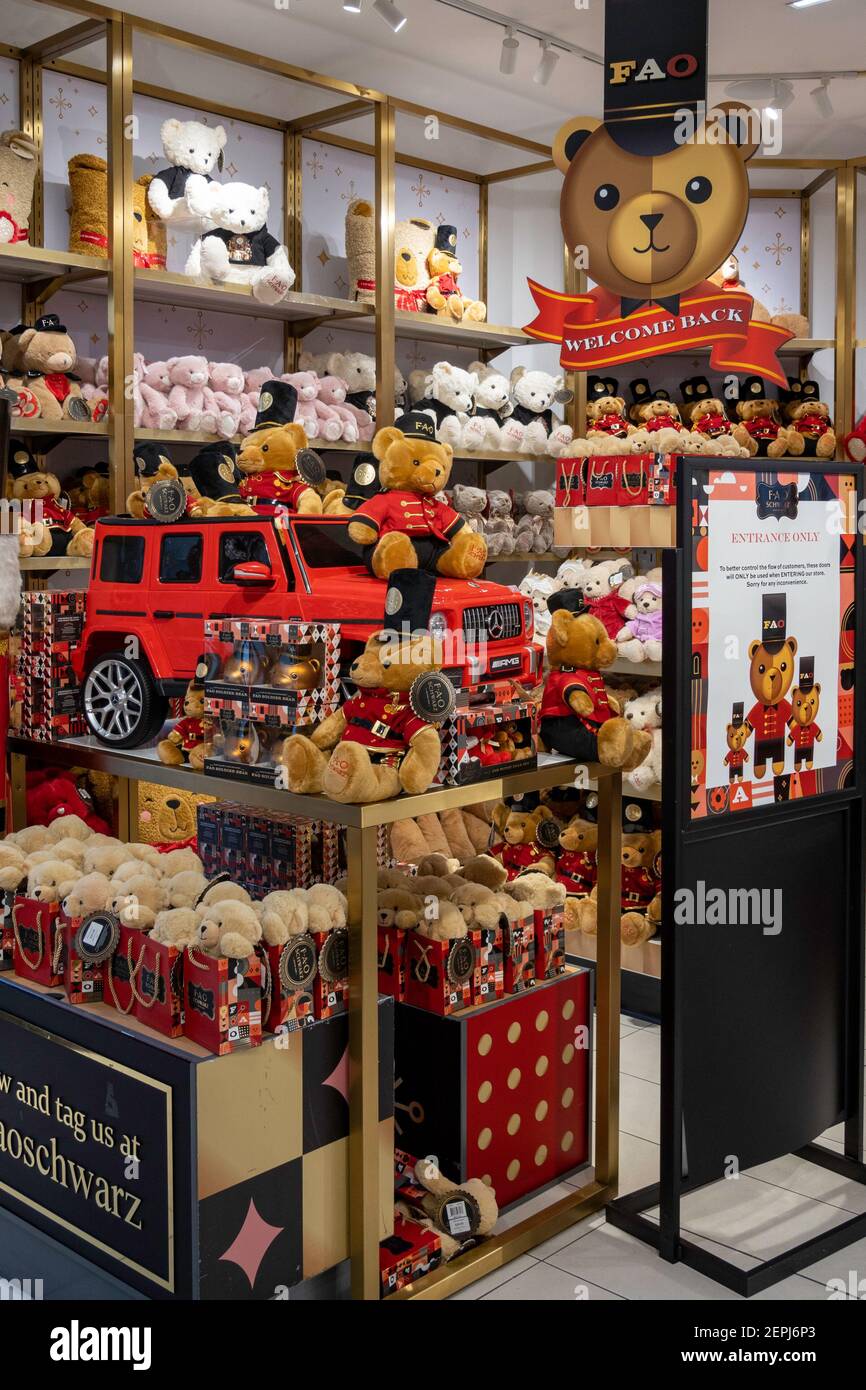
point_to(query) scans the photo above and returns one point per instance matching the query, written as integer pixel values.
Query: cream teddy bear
(228, 928)
(90, 893)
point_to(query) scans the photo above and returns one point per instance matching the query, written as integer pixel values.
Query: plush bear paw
(351, 776)
(271, 287)
(305, 765)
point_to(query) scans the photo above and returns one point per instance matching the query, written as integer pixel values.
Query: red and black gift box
(38, 941)
(481, 740)
(549, 943)
(570, 482)
(411, 1252)
(144, 979)
(7, 935)
(518, 944)
(488, 975)
(209, 822)
(222, 1002)
(84, 975)
(634, 480)
(392, 948)
(331, 984)
(289, 972)
(439, 973)
(602, 480)
(663, 480)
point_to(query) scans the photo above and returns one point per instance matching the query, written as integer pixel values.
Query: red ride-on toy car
(153, 584)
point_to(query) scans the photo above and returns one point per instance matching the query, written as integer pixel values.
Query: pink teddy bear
(227, 383)
(190, 396)
(253, 383)
(356, 424)
(154, 385)
(317, 423)
(94, 388)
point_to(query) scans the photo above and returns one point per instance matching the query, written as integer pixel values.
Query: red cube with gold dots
(516, 1109)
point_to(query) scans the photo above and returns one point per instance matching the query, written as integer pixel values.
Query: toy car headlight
(528, 617)
(438, 625)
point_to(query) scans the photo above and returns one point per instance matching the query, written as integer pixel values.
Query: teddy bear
(761, 430)
(491, 407)
(306, 385)
(644, 711)
(473, 1199)
(442, 921)
(605, 416)
(269, 456)
(414, 239)
(471, 504)
(187, 740)
(374, 746)
(239, 248)
(639, 884)
(357, 423)
(577, 864)
(539, 587)
(810, 431)
(498, 526)
(226, 381)
(190, 397)
(708, 418)
(357, 369)
(404, 526)
(283, 914)
(771, 674)
(443, 292)
(184, 889)
(396, 907)
(361, 250)
(228, 928)
(51, 880)
(191, 148)
(213, 482)
(531, 425)
(518, 847)
(46, 387)
(60, 531)
(447, 397)
(578, 716)
(88, 214)
(803, 731)
(153, 384)
(736, 736)
(727, 277)
(176, 926)
(640, 639)
(534, 528)
(600, 585)
(89, 893)
(13, 866)
(19, 155)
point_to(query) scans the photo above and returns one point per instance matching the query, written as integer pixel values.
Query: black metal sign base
(629, 1214)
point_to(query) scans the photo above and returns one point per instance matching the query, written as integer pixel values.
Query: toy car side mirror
(253, 572)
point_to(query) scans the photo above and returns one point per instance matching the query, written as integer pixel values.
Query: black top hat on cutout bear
(701, 388)
(278, 402)
(215, 472)
(811, 391)
(655, 60)
(793, 393)
(409, 602)
(807, 673)
(774, 621)
(21, 460)
(446, 238)
(416, 425)
(737, 713)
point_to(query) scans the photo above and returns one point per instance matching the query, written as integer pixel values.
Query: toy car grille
(496, 622)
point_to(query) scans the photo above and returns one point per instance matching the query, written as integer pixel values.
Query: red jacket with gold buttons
(412, 513)
(383, 720)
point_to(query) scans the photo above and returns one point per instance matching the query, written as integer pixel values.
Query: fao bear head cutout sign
(654, 198)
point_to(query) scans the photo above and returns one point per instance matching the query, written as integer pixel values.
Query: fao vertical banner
(772, 585)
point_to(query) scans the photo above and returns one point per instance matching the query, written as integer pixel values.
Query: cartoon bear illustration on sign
(771, 673)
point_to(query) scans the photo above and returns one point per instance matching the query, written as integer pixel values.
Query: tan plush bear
(606, 417)
(184, 889)
(761, 430)
(13, 866)
(414, 239)
(397, 907)
(136, 901)
(283, 914)
(19, 155)
(176, 926)
(47, 358)
(268, 461)
(404, 526)
(61, 532)
(50, 881)
(479, 906)
(189, 740)
(90, 893)
(811, 432)
(345, 757)
(479, 1199)
(518, 847)
(228, 929)
(442, 921)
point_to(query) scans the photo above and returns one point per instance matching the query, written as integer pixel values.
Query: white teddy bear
(492, 407)
(239, 247)
(191, 149)
(538, 587)
(532, 423)
(447, 398)
(645, 712)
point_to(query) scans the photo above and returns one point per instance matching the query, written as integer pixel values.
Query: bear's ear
(817, 687)
(735, 123)
(560, 626)
(383, 440)
(792, 643)
(753, 647)
(265, 199)
(220, 136)
(570, 138)
(544, 813)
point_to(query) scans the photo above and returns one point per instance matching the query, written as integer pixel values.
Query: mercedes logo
(495, 624)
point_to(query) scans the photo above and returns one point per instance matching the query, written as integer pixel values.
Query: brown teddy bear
(18, 160)
(45, 359)
(771, 674)
(269, 458)
(61, 532)
(708, 418)
(188, 741)
(414, 238)
(605, 415)
(804, 733)
(638, 893)
(443, 292)
(397, 907)
(578, 716)
(404, 526)
(761, 430)
(576, 863)
(518, 848)
(810, 425)
(736, 737)
(480, 1209)
(374, 746)
(88, 214)
(152, 465)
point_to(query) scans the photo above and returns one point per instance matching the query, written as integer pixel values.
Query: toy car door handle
(163, 613)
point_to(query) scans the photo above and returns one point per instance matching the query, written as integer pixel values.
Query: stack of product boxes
(489, 733)
(266, 850)
(265, 680)
(51, 629)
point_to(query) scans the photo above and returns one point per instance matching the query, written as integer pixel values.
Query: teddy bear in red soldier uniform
(384, 739)
(279, 469)
(605, 410)
(187, 742)
(804, 732)
(403, 526)
(771, 673)
(520, 846)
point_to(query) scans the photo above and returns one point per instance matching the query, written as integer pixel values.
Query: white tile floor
(767, 1209)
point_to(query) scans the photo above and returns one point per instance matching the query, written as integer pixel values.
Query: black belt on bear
(375, 726)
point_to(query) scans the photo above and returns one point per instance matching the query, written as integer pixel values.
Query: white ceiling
(451, 61)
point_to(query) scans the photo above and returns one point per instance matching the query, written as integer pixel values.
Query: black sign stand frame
(685, 839)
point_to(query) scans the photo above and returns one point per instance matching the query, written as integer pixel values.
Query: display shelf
(428, 328)
(144, 764)
(22, 264)
(650, 670)
(183, 292)
(50, 563)
(93, 429)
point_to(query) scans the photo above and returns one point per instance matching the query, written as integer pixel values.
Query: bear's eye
(698, 190)
(265, 448)
(606, 197)
(783, 666)
(231, 211)
(761, 669)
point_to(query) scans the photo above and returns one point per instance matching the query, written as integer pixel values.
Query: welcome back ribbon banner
(707, 315)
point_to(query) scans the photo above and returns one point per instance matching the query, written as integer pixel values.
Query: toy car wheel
(121, 702)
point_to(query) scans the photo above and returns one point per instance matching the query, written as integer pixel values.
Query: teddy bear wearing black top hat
(771, 672)
(217, 481)
(443, 293)
(279, 467)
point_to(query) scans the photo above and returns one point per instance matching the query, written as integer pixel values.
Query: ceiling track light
(804, 4)
(394, 18)
(821, 97)
(508, 56)
(544, 71)
(352, 6)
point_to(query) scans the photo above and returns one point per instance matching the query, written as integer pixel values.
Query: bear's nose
(173, 803)
(405, 256)
(651, 219)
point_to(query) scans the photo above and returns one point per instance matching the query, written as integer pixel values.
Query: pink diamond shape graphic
(339, 1077)
(252, 1243)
